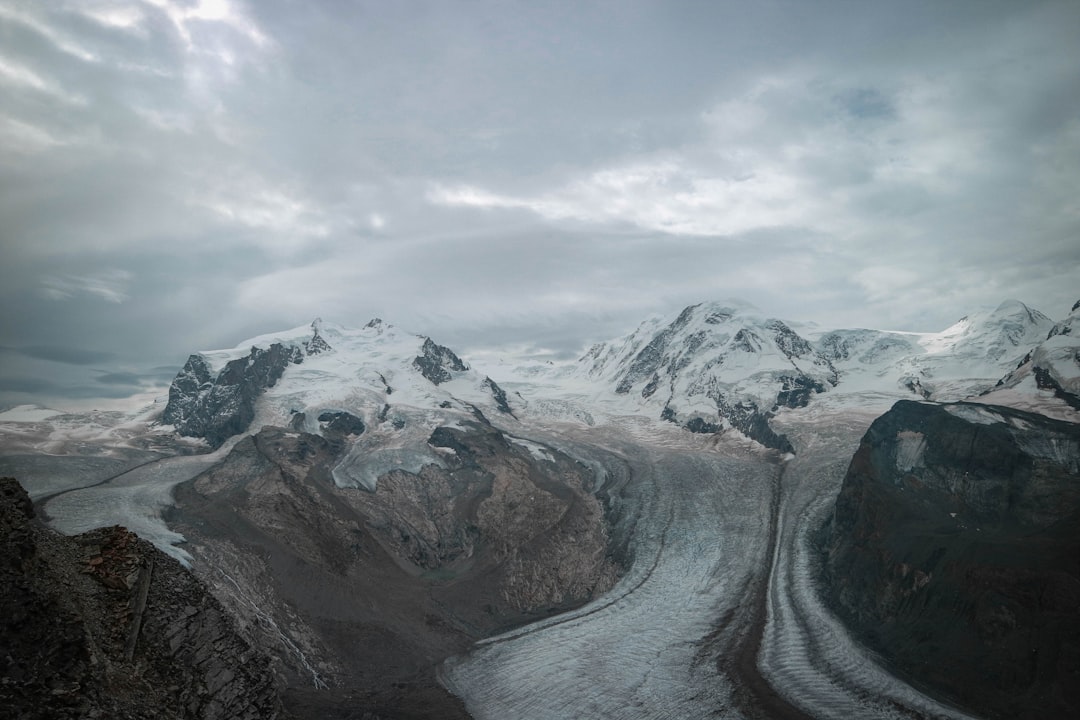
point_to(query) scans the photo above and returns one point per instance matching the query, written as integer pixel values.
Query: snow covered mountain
(1051, 367)
(711, 367)
(720, 365)
(962, 360)
(325, 379)
(715, 365)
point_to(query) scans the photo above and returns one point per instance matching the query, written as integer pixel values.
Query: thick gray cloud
(178, 175)
(70, 355)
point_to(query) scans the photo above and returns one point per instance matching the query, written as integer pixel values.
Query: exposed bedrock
(436, 362)
(954, 550)
(216, 408)
(103, 625)
(360, 595)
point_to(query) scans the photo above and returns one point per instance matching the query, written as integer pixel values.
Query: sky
(178, 175)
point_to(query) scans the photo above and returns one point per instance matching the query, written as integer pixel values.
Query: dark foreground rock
(103, 625)
(954, 550)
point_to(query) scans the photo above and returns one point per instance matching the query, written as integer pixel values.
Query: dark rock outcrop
(103, 625)
(317, 344)
(796, 391)
(955, 543)
(215, 409)
(788, 341)
(437, 362)
(339, 424)
(748, 419)
(743, 416)
(1045, 380)
(499, 395)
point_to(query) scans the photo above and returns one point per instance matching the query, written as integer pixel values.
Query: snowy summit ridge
(714, 365)
(319, 368)
(711, 367)
(720, 365)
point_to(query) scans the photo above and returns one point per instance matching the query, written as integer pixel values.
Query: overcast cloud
(178, 175)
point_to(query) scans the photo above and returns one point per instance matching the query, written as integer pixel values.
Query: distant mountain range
(713, 367)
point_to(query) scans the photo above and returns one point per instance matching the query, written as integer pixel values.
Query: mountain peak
(1017, 309)
(317, 344)
(1010, 305)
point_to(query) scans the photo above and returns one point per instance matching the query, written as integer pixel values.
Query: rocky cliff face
(102, 625)
(436, 362)
(360, 594)
(216, 408)
(954, 550)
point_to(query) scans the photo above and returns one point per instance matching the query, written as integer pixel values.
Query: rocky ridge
(955, 543)
(103, 625)
(325, 368)
(218, 407)
(436, 362)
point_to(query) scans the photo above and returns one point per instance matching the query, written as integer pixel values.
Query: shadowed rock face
(499, 395)
(338, 424)
(201, 405)
(374, 589)
(103, 625)
(436, 362)
(954, 550)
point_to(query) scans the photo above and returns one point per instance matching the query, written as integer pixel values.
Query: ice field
(718, 612)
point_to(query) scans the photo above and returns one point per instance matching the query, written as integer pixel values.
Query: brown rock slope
(103, 625)
(361, 594)
(954, 550)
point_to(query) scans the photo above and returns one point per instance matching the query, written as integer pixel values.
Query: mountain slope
(715, 365)
(957, 362)
(1053, 366)
(104, 625)
(954, 543)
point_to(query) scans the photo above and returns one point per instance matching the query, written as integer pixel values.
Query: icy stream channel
(133, 499)
(717, 616)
